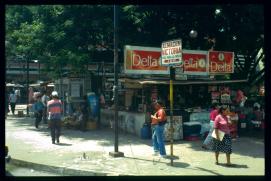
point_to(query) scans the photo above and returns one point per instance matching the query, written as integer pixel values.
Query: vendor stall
(137, 96)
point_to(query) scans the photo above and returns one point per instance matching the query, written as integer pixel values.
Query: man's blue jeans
(158, 139)
(209, 138)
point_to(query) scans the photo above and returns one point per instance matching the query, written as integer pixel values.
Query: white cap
(54, 93)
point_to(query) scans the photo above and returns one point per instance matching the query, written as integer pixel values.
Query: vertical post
(27, 85)
(61, 91)
(39, 70)
(171, 112)
(116, 152)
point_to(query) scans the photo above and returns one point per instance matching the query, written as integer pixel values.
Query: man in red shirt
(213, 115)
(54, 110)
(158, 125)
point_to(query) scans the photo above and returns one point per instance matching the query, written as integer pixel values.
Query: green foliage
(60, 35)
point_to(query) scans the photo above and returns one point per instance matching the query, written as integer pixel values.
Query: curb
(63, 171)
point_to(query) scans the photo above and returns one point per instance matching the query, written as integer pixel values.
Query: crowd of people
(218, 139)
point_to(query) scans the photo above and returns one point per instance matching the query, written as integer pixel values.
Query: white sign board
(172, 53)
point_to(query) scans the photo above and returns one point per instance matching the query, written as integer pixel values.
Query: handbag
(220, 133)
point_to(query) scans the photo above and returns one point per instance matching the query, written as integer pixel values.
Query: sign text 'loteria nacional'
(172, 52)
(143, 60)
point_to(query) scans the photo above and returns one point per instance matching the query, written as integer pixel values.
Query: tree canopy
(75, 35)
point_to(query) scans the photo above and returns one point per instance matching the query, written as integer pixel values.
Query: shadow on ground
(233, 165)
(64, 144)
(207, 170)
(245, 146)
(179, 164)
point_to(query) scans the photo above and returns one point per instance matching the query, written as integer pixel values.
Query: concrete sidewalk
(31, 147)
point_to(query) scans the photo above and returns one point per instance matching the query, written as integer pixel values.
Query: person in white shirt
(18, 94)
(12, 101)
(45, 98)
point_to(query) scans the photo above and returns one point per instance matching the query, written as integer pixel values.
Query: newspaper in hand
(220, 134)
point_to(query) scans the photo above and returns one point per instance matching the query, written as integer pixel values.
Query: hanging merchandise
(261, 91)
(154, 94)
(215, 95)
(239, 96)
(225, 98)
(243, 101)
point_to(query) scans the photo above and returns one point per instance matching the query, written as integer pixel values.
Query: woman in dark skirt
(224, 146)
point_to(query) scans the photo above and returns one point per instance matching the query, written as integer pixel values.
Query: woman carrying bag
(222, 141)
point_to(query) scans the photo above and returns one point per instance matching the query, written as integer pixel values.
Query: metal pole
(116, 77)
(116, 152)
(61, 93)
(39, 70)
(27, 85)
(171, 114)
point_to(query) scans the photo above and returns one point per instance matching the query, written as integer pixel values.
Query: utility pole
(116, 152)
(172, 77)
(27, 85)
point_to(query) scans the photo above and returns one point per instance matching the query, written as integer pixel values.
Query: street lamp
(217, 11)
(27, 85)
(116, 152)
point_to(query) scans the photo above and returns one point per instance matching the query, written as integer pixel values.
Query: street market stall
(195, 90)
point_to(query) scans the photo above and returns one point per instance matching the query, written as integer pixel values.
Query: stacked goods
(233, 120)
(20, 113)
(191, 130)
(91, 125)
(145, 132)
(70, 122)
(203, 118)
(177, 129)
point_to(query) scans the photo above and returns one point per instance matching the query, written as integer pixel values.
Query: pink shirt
(221, 123)
(213, 114)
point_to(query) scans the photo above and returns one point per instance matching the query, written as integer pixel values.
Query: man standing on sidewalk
(18, 94)
(54, 110)
(158, 126)
(13, 101)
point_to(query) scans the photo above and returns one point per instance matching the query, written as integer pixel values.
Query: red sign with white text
(143, 60)
(221, 62)
(195, 62)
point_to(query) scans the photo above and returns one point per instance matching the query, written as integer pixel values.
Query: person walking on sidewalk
(38, 108)
(221, 124)
(45, 98)
(54, 110)
(158, 126)
(12, 101)
(213, 114)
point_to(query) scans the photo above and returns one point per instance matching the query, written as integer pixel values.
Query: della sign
(143, 60)
(221, 62)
